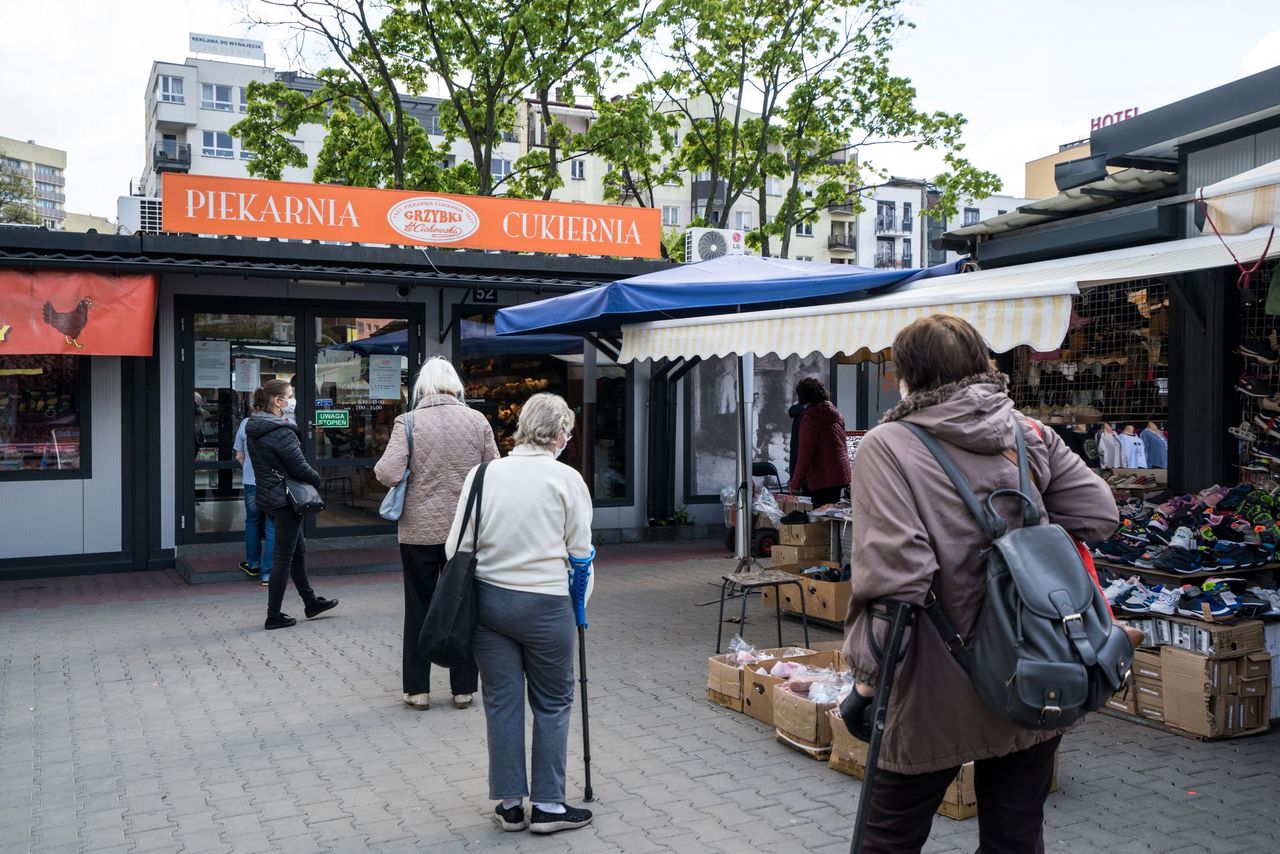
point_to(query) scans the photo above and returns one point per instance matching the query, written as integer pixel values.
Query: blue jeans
(254, 553)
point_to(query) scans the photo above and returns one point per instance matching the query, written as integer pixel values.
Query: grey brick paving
(140, 714)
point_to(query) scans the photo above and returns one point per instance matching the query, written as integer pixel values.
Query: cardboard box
(1148, 692)
(801, 722)
(1146, 664)
(1148, 629)
(1253, 687)
(961, 798)
(1255, 665)
(825, 600)
(1151, 713)
(848, 754)
(811, 534)
(1190, 673)
(1124, 700)
(802, 556)
(757, 688)
(1217, 640)
(724, 678)
(790, 503)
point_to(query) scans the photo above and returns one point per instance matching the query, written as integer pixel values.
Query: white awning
(1024, 304)
(1243, 202)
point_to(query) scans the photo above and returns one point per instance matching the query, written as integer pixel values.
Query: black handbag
(303, 498)
(445, 638)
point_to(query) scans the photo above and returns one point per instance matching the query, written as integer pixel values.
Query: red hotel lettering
(1112, 118)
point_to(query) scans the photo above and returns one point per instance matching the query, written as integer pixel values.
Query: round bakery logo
(431, 219)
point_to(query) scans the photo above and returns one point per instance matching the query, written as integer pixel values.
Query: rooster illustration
(69, 323)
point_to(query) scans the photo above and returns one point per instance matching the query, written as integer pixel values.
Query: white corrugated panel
(1024, 304)
(1245, 201)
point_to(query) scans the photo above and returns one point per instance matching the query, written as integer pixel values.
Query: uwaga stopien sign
(245, 207)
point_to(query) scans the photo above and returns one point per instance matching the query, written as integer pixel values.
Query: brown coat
(449, 440)
(910, 525)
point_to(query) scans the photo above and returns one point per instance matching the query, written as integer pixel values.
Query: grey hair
(437, 377)
(542, 418)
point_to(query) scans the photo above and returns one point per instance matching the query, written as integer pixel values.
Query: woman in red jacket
(822, 460)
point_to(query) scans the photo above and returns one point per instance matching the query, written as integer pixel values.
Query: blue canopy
(719, 286)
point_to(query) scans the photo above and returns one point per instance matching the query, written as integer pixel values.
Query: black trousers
(1011, 792)
(826, 495)
(422, 565)
(288, 560)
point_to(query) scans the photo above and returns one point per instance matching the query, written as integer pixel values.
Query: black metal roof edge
(1198, 113)
(312, 259)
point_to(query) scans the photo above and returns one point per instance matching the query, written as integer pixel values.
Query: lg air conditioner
(703, 244)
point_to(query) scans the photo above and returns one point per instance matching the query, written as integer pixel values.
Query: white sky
(1027, 75)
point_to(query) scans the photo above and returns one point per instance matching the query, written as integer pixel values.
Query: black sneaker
(279, 621)
(319, 605)
(550, 822)
(1259, 349)
(510, 820)
(1254, 387)
(248, 570)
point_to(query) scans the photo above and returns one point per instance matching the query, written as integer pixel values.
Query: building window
(40, 417)
(670, 214)
(804, 257)
(433, 125)
(971, 217)
(578, 169)
(244, 99)
(49, 173)
(906, 252)
(216, 144)
(13, 165)
(170, 89)
(500, 168)
(215, 97)
(804, 229)
(906, 216)
(675, 136)
(742, 220)
(1001, 212)
(246, 154)
(772, 187)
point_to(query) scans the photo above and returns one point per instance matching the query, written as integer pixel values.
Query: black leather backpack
(1044, 651)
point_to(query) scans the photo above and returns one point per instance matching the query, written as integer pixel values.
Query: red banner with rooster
(77, 314)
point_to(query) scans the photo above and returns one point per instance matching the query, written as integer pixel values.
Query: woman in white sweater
(535, 513)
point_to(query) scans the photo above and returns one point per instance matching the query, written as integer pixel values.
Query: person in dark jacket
(275, 447)
(797, 413)
(821, 465)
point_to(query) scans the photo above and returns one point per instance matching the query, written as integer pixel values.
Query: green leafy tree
(17, 197)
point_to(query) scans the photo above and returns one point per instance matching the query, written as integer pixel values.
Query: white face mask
(290, 406)
(903, 391)
(560, 449)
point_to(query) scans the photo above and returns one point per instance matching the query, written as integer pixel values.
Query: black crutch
(579, 574)
(900, 615)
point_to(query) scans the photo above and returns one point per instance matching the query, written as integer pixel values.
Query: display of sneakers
(1233, 498)
(1183, 538)
(1118, 551)
(1270, 404)
(1119, 589)
(1270, 597)
(1258, 349)
(1166, 601)
(1265, 426)
(1179, 561)
(1194, 601)
(1140, 598)
(1148, 558)
(1268, 451)
(1253, 387)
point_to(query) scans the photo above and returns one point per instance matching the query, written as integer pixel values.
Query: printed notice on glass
(248, 375)
(384, 377)
(213, 364)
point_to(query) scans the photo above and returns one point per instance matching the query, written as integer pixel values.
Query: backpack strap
(474, 500)
(994, 526)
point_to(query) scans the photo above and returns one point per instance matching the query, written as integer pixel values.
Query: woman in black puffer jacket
(275, 448)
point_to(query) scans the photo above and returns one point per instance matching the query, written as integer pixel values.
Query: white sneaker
(1118, 589)
(1167, 601)
(1139, 599)
(461, 701)
(421, 702)
(1183, 538)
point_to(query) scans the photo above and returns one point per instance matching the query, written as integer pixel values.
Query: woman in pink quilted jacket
(449, 440)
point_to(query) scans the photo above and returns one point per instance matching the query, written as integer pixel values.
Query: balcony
(842, 242)
(842, 209)
(885, 260)
(887, 224)
(171, 157)
(52, 195)
(703, 189)
(908, 224)
(906, 261)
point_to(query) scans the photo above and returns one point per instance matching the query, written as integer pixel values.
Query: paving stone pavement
(140, 714)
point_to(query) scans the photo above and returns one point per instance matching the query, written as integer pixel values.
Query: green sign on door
(333, 418)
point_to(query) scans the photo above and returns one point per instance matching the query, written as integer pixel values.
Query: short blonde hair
(542, 418)
(437, 377)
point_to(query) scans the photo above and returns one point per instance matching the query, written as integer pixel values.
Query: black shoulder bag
(445, 638)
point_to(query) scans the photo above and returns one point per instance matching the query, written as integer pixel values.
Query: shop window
(500, 374)
(42, 417)
(711, 450)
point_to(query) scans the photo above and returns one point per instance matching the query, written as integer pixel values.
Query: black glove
(856, 711)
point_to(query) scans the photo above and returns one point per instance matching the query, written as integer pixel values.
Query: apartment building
(45, 168)
(191, 107)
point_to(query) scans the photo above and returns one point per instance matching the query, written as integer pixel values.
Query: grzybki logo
(431, 219)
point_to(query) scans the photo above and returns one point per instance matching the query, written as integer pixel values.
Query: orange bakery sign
(201, 204)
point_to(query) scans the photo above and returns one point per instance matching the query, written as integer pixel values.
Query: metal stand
(900, 616)
(754, 581)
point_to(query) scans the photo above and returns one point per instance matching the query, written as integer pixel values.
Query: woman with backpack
(912, 531)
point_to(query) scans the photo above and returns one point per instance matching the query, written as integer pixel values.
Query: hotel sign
(245, 207)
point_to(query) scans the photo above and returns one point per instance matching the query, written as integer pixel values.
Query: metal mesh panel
(1113, 365)
(1259, 378)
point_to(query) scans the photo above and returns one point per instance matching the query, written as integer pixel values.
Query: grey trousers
(525, 639)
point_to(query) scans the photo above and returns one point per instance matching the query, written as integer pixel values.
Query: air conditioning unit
(139, 215)
(703, 244)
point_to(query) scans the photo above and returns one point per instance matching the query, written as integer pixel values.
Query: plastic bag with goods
(765, 503)
(832, 688)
